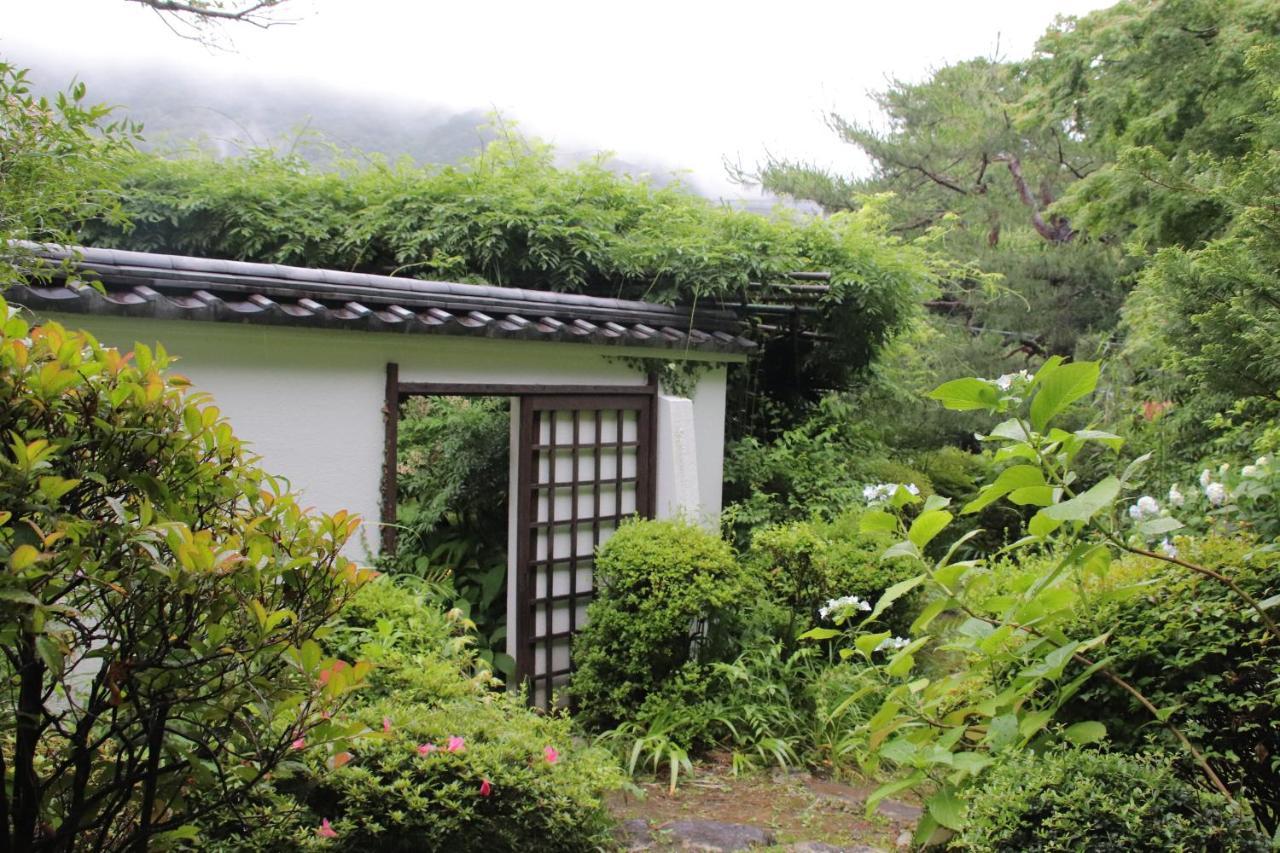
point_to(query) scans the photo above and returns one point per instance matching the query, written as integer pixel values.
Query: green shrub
(805, 564)
(420, 652)
(892, 471)
(452, 484)
(1189, 644)
(953, 472)
(391, 797)
(1077, 800)
(661, 590)
(159, 602)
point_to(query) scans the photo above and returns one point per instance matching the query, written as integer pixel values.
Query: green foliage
(1014, 660)
(419, 651)
(662, 591)
(1185, 643)
(58, 164)
(805, 564)
(452, 470)
(509, 217)
(390, 796)
(1084, 800)
(1185, 93)
(161, 600)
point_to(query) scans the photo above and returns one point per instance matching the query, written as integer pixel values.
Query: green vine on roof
(510, 217)
(675, 378)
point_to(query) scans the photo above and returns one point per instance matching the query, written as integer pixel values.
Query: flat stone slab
(895, 810)
(714, 837)
(823, 847)
(634, 834)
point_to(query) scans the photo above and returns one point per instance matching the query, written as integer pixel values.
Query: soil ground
(794, 807)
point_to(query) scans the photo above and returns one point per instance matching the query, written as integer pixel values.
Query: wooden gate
(586, 462)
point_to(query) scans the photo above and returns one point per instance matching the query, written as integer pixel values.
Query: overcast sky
(685, 83)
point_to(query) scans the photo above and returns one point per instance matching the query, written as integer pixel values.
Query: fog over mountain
(230, 115)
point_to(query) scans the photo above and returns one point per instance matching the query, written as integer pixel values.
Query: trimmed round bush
(1076, 800)
(661, 591)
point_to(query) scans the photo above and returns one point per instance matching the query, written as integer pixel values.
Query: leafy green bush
(159, 603)
(1084, 800)
(385, 793)
(662, 588)
(452, 475)
(806, 564)
(1188, 644)
(516, 780)
(420, 652)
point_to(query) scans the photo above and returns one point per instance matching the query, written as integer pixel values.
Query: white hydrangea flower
(1146, 506)
(843, 602)
(1263, 461)
(893, 643)
(1176, 498)
(1168, 548)
(1216, 493)
(883, 491)
(1205, 478)
(1223, 469)
(1249, 471)
(1005, 382)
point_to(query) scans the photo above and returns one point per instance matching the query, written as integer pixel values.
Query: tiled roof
(141, 284)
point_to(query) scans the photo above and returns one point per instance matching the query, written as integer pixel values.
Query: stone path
(799, 813)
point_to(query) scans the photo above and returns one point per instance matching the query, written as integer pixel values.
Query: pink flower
(300, 743)
(551, 754)
(386, 724)
(485, 788)
(426, 748)
(456, 744)
(325, 830)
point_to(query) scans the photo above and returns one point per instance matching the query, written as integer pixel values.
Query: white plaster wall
(310, 401)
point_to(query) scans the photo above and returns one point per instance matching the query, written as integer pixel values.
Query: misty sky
(685, 83)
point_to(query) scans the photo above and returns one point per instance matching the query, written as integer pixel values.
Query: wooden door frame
(578, 396)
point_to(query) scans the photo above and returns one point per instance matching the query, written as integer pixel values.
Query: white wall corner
(677, 486)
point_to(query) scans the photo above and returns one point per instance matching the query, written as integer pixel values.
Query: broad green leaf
(1090, 731)
(928, 525)
(819, 634)
(931, 611)
(1033, 722)
(1159, 526)
(966, 394)
(1268, 603)
(893, 593)
(1014, 477)
(1060, 388)
(1110, 439)
(935, 502)
(1085, 506)
(905, 548)
(1041, 526)
(946, 808)
(1011, 430)
(1034, 496)
(878, 521)
(1002, 731)
(867, 643)
(23, 557)
(892, 788)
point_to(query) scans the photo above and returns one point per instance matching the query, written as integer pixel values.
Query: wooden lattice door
(585, 464)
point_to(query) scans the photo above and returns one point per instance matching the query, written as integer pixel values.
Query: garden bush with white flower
(996, 658)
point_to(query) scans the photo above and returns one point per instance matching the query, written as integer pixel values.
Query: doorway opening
(452, 482)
